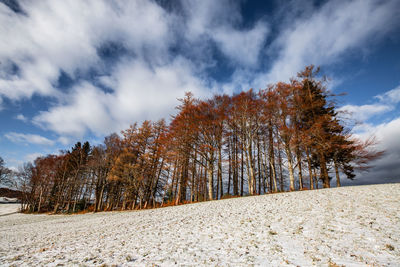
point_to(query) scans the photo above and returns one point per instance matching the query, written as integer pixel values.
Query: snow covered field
(9, 208)
(349, 226)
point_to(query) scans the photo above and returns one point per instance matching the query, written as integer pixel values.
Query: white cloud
(241, 46)
(324, 35)
(85, 110)
(392, 96)
(139, 92)
(388, 134)
(21, 117)
(28, 138)
(218, 21)
(386, 102)
(387, 168)
(364, 112)
(54, 37)
(31, 157)
(151, 93)
(65, 140)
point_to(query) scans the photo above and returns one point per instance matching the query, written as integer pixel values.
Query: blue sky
(80, 70)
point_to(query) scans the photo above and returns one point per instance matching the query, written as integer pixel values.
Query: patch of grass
(389, 247)
(299, 230)
(17, 258)
(129, 258)
(272, 232)
(332, 264)
(227, 196)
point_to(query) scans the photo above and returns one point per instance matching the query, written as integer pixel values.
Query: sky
(80, 70)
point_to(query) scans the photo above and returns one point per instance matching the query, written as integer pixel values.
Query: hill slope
(349, 225)
(10, 193)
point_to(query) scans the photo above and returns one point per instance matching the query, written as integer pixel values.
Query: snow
(349, 226)
(8, 200)
(9, 208)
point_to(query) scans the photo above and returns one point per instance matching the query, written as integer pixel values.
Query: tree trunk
(280, 169)
(310, 169)
(200, 182)
(210, 180)
(272, 173)
(179, 188)
(229, 167)
(221, 186)
(100, 200)
(298, 155)
(337, 174)
(241, 174)
(324, 171)
(193, 183)
(235, 167)
(217, 191)
(176, 194)
(171, 189)
(259, 165)
(249, 165)
(40, 199)
(290, 167)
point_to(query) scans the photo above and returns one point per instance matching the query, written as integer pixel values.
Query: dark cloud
(13, 5)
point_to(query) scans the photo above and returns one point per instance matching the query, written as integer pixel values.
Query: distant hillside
(10, 193)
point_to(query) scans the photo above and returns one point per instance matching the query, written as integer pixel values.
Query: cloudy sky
(79, 70)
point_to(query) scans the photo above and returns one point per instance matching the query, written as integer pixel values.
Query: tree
(270, 100)
(4, 173)
(99, 168)
(183, 136)
(247, 120)
(23, 177)
(318, 119)
(286, 125)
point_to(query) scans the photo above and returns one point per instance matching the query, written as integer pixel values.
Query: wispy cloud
(387, 168)
(323, 35)
(32, 157)
(392, 96)
(364, 112)
(385, 102)
(29, 138)
(218, 22)
(21, 117)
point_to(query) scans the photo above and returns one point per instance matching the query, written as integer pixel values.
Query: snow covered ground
(349, 226)
(4, 200)
(9, 208)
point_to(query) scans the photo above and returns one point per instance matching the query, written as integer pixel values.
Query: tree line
(288, 136)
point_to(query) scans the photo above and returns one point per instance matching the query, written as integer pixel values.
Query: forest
(286, 137)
